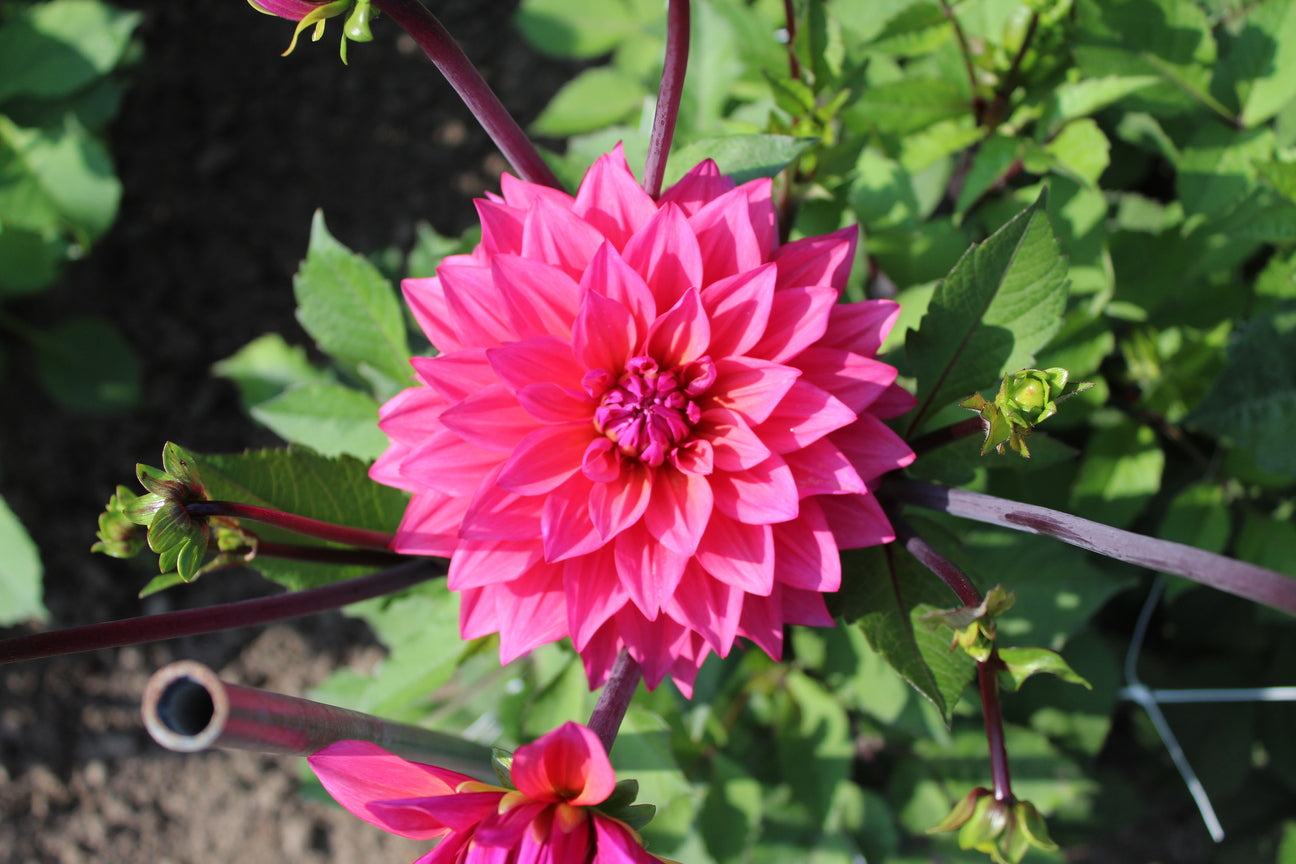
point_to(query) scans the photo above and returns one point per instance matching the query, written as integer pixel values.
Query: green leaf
(887, 593)
(1002, 302)
(908, 105)
(350, 309)
(643, 752)
(576, 28)
(56, 180)
(266, 367)
(990, 165)
(1252, 404)
(1082, 151)
(603, 96)
(731, 811)
(1022, 663)
(743, 157)
(1215, 168)
(1072, 100)
(916, 30)
(87, 365)
(1120, 473)
(300, 481)
(1262, 59)
(329, 418)
(813, 743)
(20, 572)
(54, 49)
(29, 260)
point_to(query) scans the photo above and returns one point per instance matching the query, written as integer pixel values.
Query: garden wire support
(187, 708)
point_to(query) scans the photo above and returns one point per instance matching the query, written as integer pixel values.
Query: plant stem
(794, 68)
(322, 554)
(298, 524)
(210, 619)
(423, 27)
(949, 573)
(668, 95)
(994, 113)
(613, 702)
(988, 684)
(1226, 574)
(947, 435)
(965, 50)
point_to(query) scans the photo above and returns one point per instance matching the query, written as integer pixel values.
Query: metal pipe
(187, 708)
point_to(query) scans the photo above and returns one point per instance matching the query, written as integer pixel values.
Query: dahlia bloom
(559, 778)
(651, 425)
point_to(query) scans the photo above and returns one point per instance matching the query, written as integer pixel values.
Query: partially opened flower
(549, 816)
(650, 425)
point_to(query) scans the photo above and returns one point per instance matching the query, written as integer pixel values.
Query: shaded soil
(224, 149)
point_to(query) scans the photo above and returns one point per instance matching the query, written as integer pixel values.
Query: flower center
(649, 412)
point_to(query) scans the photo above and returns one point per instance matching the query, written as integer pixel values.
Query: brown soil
(224, 149)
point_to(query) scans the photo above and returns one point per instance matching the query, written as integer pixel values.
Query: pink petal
(568, 764)
(806, 608)
(654, 644)
(762, 495)
(559, 237)
(679, 510)
(457, 375)
(524, 195)
(893, 402)
(857, 521)
(411, 414)
(430, 525)
(797, 319)
(501, 228)
(426, 299)
(822, 260)
(738, 554)
(478, 563)
(734, 445)
(805, 553)
(822, 469)
(594, 594)
(611, 200)
(541, 298)
(565, 523)
(495, 514)
(460, 812)
(739, 308)
(872, 447)
(680, 336)
(477, 308)
(751, 387)
(491, 418)
(357, 774)
(702, 184)
(856, 380)
(802, 417)
(532, 611)
(447, 463)
(649, 570)
(861, 327)
(762, 622)
(604, 334)
(617, 845)
(726, 237)
(609, 275)
(545, 458)
(708, 607)
(549, 403)
(600, 653)
(665, 253)
(618, 504)
(386, 469)
(531, 361)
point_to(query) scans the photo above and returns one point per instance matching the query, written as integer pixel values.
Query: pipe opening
(185, 707)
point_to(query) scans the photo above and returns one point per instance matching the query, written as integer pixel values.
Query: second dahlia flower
(651, 426)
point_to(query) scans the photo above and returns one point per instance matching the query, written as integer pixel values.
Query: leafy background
(1164, 134)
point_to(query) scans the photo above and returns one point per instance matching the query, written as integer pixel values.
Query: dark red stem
(988, 683)
(423, 27)
(668, 95)
(794, 68)
(210, 619)
(1226, 574)
(290, 522)
(956, 579)
(947, 435)
(614, 701)
(324, 554)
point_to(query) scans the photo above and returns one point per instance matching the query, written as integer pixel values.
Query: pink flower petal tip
(650, 426)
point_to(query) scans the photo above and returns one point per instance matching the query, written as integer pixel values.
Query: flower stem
(424, 28)
(946, 435)
(951, 575)
(1226, 574)
(210, 619)
(789, 14)
(614, 701)
(322, 554)
(988, 683)
(291, 522)
(668, 95)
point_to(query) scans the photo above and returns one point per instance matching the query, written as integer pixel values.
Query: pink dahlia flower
(558, 779)
(651, 425)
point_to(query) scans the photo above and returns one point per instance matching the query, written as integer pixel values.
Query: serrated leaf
(1002, 302)
(916, 30)
(1119, 474)
(603, 96)
(350, 309)
(1072, 100)
(56, 48)
(20, 572)
(908, 105)
(330, 418)
(743, 157)
(298, 480)
(58, 179)
(1262, 60)
(267, 366)
(1022, 663)
(1253, 402)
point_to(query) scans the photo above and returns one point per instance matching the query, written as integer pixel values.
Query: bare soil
(224, 149)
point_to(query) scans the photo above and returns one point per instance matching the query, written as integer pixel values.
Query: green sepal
(1032, 826)
(502, 762)
(623, 795)
(973, 626)
(156, 480)
(142, 509)
(1021, 663)
(120, 535)
(161, 583)
(356, 27)
(961, 813)
(637, 816)
(988, 820)
(1025, 399)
